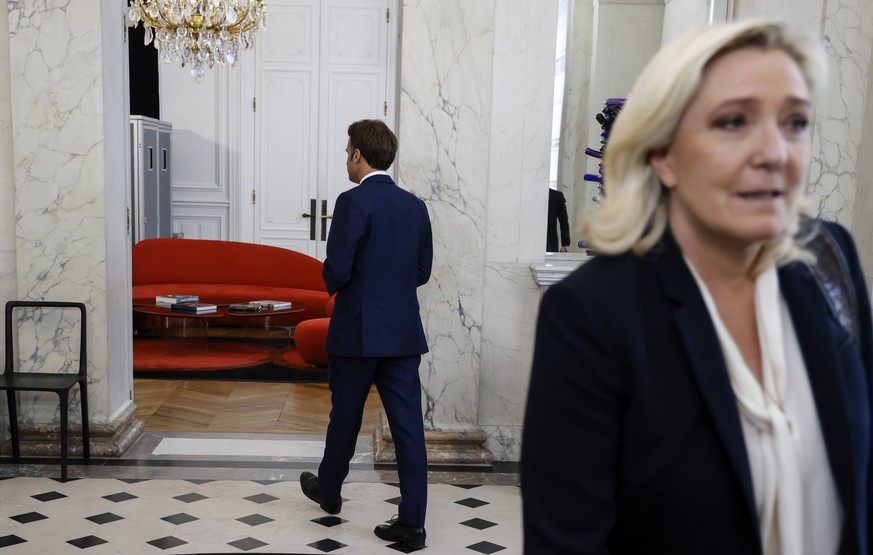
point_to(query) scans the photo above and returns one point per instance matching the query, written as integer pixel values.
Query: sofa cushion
(309, 338)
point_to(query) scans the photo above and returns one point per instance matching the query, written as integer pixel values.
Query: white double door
(319, 66)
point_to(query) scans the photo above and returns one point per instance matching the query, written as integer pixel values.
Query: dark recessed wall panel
(144, 96)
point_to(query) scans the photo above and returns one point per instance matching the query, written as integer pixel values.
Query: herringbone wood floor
(231, 406)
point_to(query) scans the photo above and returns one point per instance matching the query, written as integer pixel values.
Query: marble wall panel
(576, 120)
(802, 14)
(681, 16)
(57, 134)
(626, 36)
(848, 36)
(511, 300)
(864, 199)
(521, 117)
(846, 27)
(7, 191)
(523, 92)
(445, 109)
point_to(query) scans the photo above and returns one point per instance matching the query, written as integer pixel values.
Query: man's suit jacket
(632, 437)
(378, 252)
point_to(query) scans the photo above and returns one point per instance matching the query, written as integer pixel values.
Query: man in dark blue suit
(378, 252)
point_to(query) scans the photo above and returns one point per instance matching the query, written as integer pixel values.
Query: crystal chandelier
(198, 33)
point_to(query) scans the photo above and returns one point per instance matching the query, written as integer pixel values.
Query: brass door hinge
(386, 108)
(254, 104)
(128, 220)
(387, 15)
(253, 196)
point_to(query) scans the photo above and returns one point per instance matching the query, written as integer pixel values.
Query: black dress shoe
(407, 536)
(309, 485)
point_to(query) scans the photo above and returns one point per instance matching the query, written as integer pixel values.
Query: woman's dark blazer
(632, 440)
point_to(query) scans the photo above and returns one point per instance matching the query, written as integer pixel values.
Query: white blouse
(798, 507)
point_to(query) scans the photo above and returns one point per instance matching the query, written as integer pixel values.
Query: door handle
(324, 218)
(311, 219)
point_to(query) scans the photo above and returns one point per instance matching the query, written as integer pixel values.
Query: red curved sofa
(224, 272)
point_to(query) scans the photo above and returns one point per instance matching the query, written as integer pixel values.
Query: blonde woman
(693, 389)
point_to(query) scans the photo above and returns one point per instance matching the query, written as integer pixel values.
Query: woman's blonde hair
(633, 215)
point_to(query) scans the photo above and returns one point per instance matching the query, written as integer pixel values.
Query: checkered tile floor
(132, 516)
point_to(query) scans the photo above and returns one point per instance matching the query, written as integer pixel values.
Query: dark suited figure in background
(557, 217)
(378, 252)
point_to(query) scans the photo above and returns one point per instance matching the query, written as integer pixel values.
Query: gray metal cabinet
(151, 187)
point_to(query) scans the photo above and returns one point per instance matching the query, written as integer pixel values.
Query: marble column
(475, 125)
(443, 131)
(525, 33)
(7, 191)
(68, 135)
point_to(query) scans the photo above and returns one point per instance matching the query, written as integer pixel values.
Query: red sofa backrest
(208, 261)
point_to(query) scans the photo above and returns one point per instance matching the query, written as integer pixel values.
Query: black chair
(60, 383)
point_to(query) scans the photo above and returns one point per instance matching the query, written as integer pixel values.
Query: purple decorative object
(606, 118)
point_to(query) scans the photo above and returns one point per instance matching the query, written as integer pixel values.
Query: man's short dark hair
(377, 143)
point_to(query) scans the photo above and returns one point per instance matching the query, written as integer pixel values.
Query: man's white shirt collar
(372, 173)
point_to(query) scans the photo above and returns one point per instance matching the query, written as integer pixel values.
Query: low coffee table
(167, 314)
(249, 319)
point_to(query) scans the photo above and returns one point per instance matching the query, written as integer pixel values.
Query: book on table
(169, 300)
(273, 305)
(194, 308)
(246, 308)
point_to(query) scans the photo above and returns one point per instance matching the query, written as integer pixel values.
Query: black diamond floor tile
(247, 544)
(48, 496)
(326, 545)
(485, 547)
(260, 498)
(267, 482)
(478, 523)
(12, 539)
(87, 541)
(190, 497)
(466, 486)
(198, 482)
(471, 502)
(401, 548)
(259, 524)
(168, 542)
(132, 480)
(104, 518)
(119, 497)
(329, 521)
(179, 518)
(255, 519)
(27, 518)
